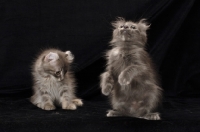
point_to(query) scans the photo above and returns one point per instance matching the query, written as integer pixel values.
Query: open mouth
(60, 78)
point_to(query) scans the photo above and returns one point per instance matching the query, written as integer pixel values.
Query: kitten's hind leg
(113, 113)
(106, 83)
(152, 116)
(77, 102)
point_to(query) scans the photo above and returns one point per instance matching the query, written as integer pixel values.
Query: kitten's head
(128, 31)
(56, 63)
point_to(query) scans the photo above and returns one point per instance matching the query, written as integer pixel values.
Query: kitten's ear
(51, 57)
(119, 21)
(143, 25)
(69, 56)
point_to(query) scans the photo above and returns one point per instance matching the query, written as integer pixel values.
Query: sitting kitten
(130, 79)
(54, 83)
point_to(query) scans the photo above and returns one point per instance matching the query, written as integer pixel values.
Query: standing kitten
(130, 79)
(54, 83)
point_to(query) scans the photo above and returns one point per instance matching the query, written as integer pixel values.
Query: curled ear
(143, 25)
(51, 57)
(69, 56)
(119, 21)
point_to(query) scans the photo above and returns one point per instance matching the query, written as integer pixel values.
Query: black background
(29, 26)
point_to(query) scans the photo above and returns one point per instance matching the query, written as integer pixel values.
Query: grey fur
(130, 79)
(53, 81)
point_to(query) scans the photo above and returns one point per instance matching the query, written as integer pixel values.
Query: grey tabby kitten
(130, 79)
(54, 83)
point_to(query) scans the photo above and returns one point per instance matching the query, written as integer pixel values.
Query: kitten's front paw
(49, 107)
(123, 79)
(77, 102)
(106, 90)
(68, 106)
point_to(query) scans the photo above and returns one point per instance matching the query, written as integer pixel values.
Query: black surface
(27, 27)
(21, 115)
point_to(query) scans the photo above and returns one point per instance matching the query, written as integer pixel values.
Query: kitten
(54, 83)
(130, 79)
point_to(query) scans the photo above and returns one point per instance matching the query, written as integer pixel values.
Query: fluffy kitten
(130, 79)
(54, 83)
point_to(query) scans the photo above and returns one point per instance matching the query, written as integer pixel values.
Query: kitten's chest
(121, 58)
(53, 87)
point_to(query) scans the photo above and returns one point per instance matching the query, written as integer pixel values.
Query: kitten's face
(56, 64)
(129, 31)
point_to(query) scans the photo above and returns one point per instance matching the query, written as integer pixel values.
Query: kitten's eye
(122, 26)
(133, 27)
(57, 73)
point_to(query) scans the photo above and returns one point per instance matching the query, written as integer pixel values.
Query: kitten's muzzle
(126, 32)
(60, 75)
(60, 78)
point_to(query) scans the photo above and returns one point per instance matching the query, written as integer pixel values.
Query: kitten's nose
(125, 27)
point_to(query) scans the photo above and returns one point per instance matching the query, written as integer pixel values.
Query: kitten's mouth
(126, 35)
(60, 79)
(126, 32)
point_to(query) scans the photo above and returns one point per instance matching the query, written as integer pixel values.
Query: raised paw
(112, 113)
(152, 116)
(106, 83)
(106, 90)
(123, 79)
(49, 107)
(77, 102)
